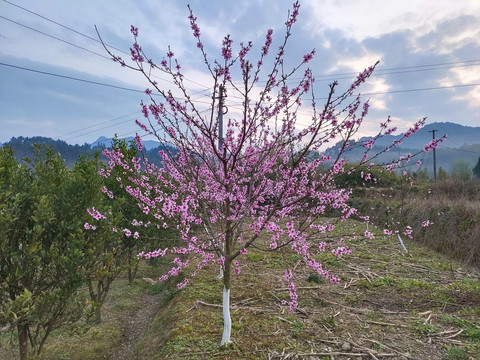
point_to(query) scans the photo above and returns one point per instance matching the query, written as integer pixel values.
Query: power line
(387, 71)
(377, 73)
(462, 150)
(86, 81)
(71, 78)
(98, 124)
(102, 128)
(77, 46)
(64, 26)
(84, 35)
(410, 90)
(54, 37)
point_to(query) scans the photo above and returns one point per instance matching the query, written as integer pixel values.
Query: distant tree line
(24, 147)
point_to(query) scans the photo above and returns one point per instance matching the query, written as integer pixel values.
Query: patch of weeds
(297, 327)
(377, 347)
(471, 328)
(364, 284)
(386, 258)
(180, 344)
(156, 289)
(378, 282)
(292, 258)
(442, 265)
(447, 319)
(474, 310)
(467, 284)
(255, 257)
(413, 284)
(365, 255)
(383, 281)
(456, 353)
(275, 261)
(353, 300)
(379, 266)
(329, 321)
(238, 326)
(373, 315)
(206, 291)
(327, 258)
(315, 278)
(442, 298)
(422, 328)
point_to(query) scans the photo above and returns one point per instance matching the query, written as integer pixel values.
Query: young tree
(442, 174)
(476, 169)
(108, 252)
(461, 170)
(103, 249)
(225, 189)
(42, 264)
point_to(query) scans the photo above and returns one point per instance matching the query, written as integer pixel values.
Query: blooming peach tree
(262, 174)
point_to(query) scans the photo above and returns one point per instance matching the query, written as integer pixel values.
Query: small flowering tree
(222, 191)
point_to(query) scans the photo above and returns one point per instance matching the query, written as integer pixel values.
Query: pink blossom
(368, 234)
(408, 232)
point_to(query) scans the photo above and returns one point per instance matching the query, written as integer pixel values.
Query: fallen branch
(385, 324)
(389, 348)
(340, 353)
(447, 332)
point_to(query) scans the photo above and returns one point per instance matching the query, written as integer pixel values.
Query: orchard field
(423, 303)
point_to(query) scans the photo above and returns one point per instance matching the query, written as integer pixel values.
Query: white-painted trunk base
(227, 321)
(402, 244)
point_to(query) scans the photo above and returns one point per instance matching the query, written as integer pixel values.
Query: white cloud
(356, 64)
(469, 95)
(362, 19)
(378, 85)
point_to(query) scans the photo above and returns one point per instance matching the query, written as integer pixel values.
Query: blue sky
(430, 44)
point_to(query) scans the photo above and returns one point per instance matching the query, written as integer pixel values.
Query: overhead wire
(393, 70)
(330, 77)
(84, 35)
(54, 37)
(63, 26)
(81, 80)
(98, 124)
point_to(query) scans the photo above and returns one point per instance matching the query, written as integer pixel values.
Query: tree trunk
(132, 271)
(22, 341)
(98, 313)
(227, 321)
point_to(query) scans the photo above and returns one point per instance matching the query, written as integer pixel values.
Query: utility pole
(220, 116)
(434, 159)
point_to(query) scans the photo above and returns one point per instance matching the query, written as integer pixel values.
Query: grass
(421, 304)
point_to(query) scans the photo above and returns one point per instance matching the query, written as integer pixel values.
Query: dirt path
(137, 324)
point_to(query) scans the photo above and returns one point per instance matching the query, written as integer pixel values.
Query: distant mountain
(462, 143)
(23, 148)
(458, 135)
(102, 141)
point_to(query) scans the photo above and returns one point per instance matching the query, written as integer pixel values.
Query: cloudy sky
(57, 81)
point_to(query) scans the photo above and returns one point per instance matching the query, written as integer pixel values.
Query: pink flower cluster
(408, 232)
(293, 303)
(96, 214)
(342, 250)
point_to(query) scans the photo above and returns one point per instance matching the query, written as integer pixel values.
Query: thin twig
(385, 323)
